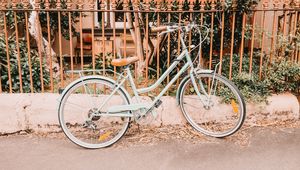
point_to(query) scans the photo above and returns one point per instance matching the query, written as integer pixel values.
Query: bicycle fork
(211, 90)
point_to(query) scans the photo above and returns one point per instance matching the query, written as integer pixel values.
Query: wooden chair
(86, 46)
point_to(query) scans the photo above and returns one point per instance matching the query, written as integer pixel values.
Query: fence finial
(69, 4)
(80, 4)
(286, 3)
(265, 4)
(14, 4)
(223, 4)
(169, 5)
(91, 4)
(125, 4)
(102, 5)
(157, 4)
(58, 4)
(135, 4)
(3, 4)
(276, 3)
(213, 4)
(113, 5)
(191, 5)
(192, 1)
(47, 4)
(147, 5)
(202, 4)
(25, 4)
(37, 4)
(234, 5)
(180, 6)
(297, 3)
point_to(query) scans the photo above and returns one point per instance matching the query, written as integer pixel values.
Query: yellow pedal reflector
(234, 106)
(104, 136)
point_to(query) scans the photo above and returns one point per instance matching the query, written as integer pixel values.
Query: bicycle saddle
(124, 61)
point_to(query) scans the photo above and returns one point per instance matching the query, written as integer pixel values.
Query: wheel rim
(219, 116)
(81, 101)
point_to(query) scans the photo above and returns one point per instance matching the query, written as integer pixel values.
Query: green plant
(53, 15)
(53, 19)
(283, 75)
(99, 62)
(24, 63)
(236, 64)
(35, 59)
(251, 87)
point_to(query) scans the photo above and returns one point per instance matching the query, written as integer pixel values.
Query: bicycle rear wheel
(77, 109)
(220, 113)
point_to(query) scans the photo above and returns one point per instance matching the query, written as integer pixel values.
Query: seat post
(132, 84)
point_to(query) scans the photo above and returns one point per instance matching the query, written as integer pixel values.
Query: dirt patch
(146, 135)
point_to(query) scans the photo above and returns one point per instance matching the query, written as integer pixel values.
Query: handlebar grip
(158, 29)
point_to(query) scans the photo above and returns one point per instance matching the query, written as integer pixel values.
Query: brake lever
(169, 29)
(165, 32)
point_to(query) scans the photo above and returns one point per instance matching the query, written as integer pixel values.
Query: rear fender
(93, 77)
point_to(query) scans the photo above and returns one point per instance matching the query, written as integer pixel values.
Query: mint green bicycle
(95, 111)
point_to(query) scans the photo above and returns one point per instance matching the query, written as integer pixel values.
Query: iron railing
(36, 48)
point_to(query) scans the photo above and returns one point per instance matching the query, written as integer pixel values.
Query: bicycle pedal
(158, 103)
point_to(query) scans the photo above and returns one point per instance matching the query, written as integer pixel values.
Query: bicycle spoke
(76, 105)
(191, 105)
(218, 119)
(100, 131)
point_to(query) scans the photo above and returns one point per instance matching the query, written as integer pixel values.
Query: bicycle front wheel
(79, 111)
(219, 110)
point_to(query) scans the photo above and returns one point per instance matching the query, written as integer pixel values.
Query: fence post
(102, 6)
(147, 8)
(213, 5)
(297, 20)
(26, 6)
(4, 6)
(1, 8)
(234, 5)
(262, 52)
(14, 7)
(222, 36)
(60, 43)
(80, 7)
(273, 38)
(113, 8)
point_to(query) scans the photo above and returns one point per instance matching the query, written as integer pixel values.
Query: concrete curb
(39, 111)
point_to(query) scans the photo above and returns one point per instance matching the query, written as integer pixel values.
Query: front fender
(200, 71)
(180, 88)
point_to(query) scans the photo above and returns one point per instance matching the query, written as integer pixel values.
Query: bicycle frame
(136, 91)
(121, 108)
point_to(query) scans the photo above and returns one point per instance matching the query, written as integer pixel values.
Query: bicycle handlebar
(159, 29)
(184, 28)
(171, 28)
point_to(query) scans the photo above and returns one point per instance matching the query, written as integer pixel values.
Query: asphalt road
(267, 148)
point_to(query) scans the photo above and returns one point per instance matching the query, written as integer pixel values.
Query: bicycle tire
(200, 116)
(71, 127)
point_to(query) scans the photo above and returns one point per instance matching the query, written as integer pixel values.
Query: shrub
(251, 87)
(278, 76)
(283, 75)
(14, 69)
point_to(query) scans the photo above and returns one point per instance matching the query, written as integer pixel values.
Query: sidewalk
(263, 148)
